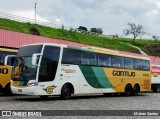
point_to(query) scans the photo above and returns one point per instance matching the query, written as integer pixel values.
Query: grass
(72, 35)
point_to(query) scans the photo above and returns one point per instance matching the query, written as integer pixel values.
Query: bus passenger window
(146, 65)
(71, 56)
(104, 60)
(138, 64)
(88, 58)
(128, 63)
(117, 62)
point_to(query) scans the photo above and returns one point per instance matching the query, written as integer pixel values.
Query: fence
(24, 19)
(48, 24)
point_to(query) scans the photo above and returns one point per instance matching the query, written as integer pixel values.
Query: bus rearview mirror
(35, 59)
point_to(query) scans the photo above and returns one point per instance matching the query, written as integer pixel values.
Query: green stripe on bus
(86, 49)
(101, 76)
(73, 47)
(90, 76)
(78, 48)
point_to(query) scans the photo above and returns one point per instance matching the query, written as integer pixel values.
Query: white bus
(52, 69)
(155, 80)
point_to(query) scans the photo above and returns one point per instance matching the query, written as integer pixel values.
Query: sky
(110, 15)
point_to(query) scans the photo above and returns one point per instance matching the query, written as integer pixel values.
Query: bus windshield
(25, 70)
(28, 71)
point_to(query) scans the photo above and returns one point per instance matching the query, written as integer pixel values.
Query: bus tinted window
(146, 65)
(88, 58)
(71, 56)
(4, 53)
(128, 63)
(117, 62)
(11, 61)
(29, 50)
(49, 63)
(104, 60)
(1, 60)
(52, 53)
(137, 64)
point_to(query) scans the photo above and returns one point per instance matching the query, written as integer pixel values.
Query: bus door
(48, 66)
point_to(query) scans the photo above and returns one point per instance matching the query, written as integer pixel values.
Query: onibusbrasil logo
(16, 113)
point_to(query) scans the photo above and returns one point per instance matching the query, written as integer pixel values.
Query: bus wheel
(136, 90)
(7, 89)
(1, 89)
(157, 88)
(128, 90)
(66, 92)
(43, 96)
(107, 94)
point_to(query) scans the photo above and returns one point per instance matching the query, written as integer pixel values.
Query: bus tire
(136, 90)
(107, 94)
(66, 92)
(157, 88)
(43, 96)
(128, 90)
(1, 89)
(7, 89)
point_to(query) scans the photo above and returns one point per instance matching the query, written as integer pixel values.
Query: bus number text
(3, 71)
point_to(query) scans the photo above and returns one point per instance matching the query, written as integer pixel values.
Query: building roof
(16, 39)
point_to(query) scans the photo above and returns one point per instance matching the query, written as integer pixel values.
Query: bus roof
(8, 50)
(93, 49)
(107, 51)
(45, 44)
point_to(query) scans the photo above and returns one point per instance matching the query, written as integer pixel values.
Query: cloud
(110, 15)
(30, 15)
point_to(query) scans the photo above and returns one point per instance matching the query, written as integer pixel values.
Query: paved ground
(145, 101)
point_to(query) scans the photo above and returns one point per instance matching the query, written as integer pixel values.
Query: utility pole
(35, 13)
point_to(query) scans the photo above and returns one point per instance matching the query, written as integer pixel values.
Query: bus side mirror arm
(35, 59)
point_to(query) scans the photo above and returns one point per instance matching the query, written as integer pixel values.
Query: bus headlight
(33, 84)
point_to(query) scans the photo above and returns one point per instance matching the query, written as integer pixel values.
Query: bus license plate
(19, 90)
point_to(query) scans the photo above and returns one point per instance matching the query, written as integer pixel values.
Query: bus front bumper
(26, 91)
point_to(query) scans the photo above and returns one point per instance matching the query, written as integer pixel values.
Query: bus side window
(146, 65)
(1, 60)
(137, 64)
(88, 58)
(128, 63)
(11, 61)
(104, 60)
(117, 62)
(71, 56)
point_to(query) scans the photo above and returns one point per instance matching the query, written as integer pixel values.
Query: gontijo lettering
(123, 73)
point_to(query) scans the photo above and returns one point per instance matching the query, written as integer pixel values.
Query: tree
(155, 37)
(134, 29)
(96, 30)
(34, 31)
(82, 29)
(62, 27)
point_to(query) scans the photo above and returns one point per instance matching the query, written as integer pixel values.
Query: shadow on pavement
(74, 97)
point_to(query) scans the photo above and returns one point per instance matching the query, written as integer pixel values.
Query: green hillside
(71, 35)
